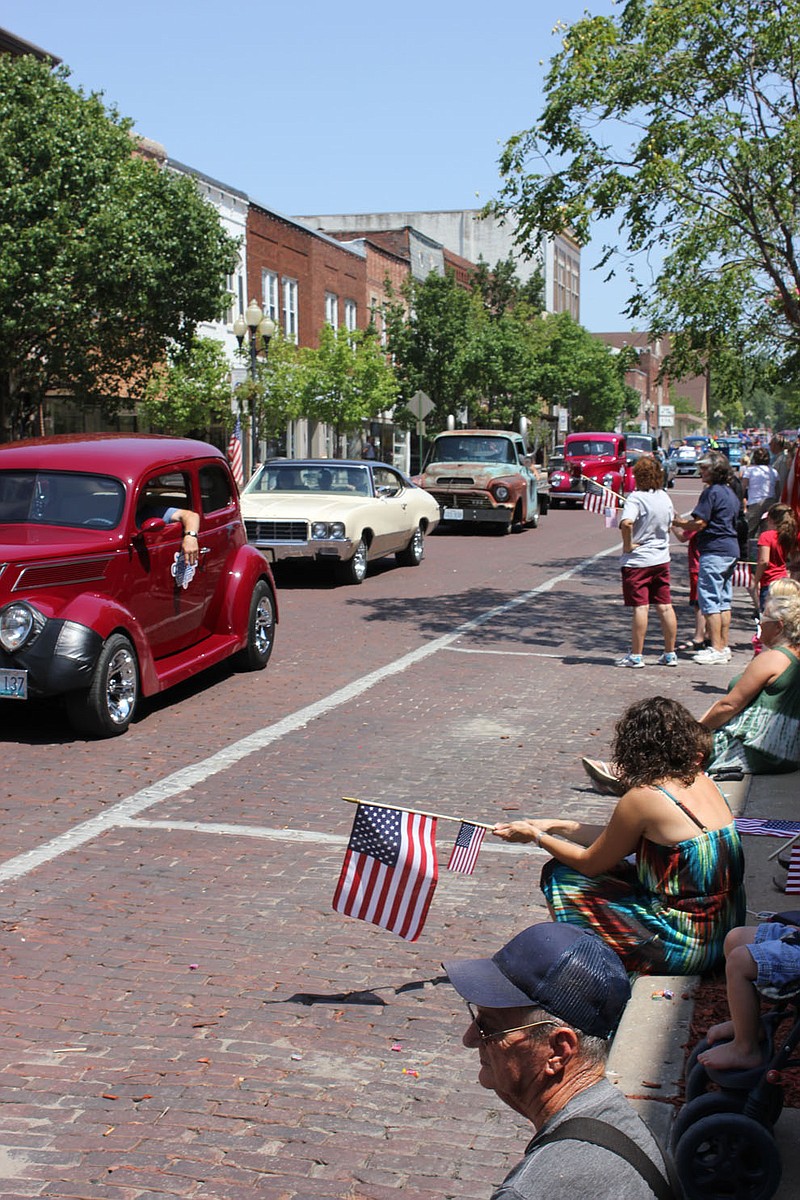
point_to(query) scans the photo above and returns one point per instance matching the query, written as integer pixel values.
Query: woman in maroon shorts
(644, 527)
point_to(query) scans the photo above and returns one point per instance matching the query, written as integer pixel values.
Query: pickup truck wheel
(107, 708)
(260, 630)
(355, 569)
(414, 552)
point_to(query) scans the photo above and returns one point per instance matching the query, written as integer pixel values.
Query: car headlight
(608, 479)
(501, 492)
(319, 529)
(19, 624)
(557, 478)
(337, 529)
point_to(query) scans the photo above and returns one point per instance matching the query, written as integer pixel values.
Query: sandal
(692, 647)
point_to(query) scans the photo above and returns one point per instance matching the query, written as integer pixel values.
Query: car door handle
(205, 550)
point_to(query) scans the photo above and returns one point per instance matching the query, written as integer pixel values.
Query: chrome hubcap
(121, 686)
(262, 633)
(360, 561)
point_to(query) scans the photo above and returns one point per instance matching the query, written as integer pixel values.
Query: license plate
(14, 685)
(453, 514)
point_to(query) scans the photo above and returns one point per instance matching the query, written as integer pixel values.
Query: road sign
(666, 415)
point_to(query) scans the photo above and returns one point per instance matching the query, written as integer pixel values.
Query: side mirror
(153, 525)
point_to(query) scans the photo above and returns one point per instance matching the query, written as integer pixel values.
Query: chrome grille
(462, 499)
(277, 531)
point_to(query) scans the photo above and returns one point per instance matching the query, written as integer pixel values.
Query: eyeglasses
(495, 1035)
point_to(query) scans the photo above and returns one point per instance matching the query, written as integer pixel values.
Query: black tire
(706, 1106)
(107, 708)
(260, 630)
(728, 1156)
(414, 552)
(355, 569)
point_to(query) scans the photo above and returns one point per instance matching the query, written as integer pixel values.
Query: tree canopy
(680, 120)
(106, 260)
(190, 391)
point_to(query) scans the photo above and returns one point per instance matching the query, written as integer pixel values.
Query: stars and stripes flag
(390, 870)
(603, 502)
(467, 846)
(743, 575)
(793, 872)
(767, 827)
(235, 453)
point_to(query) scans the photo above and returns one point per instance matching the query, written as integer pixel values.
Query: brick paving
(181, 1012)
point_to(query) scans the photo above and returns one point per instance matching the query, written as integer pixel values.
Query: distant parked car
(97, 603)
(642, 441)
(685, 460)
(483, 477)
(342, 512)
(732, 448)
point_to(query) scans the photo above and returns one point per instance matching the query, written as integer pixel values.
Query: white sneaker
(630, 660)
(711, 657)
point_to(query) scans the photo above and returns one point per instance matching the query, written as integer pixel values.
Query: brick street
(182, 1013)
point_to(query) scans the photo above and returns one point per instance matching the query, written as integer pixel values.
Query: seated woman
(756, 726)
(668, 910)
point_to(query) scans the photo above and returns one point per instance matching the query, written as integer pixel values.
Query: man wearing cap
(542, 1011)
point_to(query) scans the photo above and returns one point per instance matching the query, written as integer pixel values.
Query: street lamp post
(257, 325)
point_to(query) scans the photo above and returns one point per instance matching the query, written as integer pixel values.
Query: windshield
(472, 449)
(60, 498)
(591, 448)
(312, 478)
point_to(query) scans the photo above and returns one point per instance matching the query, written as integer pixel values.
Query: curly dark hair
(649, 474)
(760, 456)
(656, 739)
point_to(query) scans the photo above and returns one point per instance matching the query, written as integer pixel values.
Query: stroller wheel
(706, 1106)
(727, 1156)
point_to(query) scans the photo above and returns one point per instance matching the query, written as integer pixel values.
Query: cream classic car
(337, 511)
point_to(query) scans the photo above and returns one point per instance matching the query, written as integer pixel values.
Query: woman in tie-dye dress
(662, 882)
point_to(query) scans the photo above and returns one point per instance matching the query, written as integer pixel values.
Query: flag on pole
(235, 453)
(390, 870)
(767, 827)
(594, 502)
(793, 872)
(464, 854)
(743, 575)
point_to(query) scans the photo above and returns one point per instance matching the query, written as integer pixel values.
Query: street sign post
(666, 416)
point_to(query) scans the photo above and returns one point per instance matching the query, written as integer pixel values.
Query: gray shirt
(572, 1170)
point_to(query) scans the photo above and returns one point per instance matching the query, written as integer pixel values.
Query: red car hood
(34, 542)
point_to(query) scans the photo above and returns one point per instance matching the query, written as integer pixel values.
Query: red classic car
(97, 601)
(590, 459)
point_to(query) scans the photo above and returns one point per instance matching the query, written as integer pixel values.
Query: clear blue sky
(323, 108)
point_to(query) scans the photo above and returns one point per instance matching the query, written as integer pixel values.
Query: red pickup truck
(588, 458)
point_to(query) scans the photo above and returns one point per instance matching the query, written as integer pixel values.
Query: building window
(332, 309)
(290, 321)
(269, 294)
(350, 315)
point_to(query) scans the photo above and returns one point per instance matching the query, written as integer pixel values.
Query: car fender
(245, 569)
(105, 616)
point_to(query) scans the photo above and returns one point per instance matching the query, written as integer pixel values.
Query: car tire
(414, 552)
(107, 707)
(355, 569)
(260, 630)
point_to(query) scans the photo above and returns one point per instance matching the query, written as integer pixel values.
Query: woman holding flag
(644, 527)
(662, 882)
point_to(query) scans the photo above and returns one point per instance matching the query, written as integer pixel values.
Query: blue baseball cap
(567, 970)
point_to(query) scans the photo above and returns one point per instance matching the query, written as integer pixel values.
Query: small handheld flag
(743, 575)
(390, 870)
(467, 846)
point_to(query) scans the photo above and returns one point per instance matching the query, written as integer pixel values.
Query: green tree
(680, 120)
(107, 262)
(280, 388)
(348, 379)
(190, 392)
(581, 373)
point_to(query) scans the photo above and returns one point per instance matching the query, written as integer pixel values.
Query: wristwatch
(189, 533)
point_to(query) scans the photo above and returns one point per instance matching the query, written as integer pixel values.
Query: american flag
(390, 870)
(598, 502)
(793, 872)
(235, 453)
(464, 854)
(767, 827)
(743, 575)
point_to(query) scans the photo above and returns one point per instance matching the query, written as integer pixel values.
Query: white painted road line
(185, 778)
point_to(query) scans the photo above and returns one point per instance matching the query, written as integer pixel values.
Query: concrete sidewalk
(649, 1050)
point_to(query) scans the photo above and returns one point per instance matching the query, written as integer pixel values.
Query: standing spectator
(369, 449)
(644, 527)
(545, 1008)
(780, 459)
(777, 545)
(761, 488)
(714, 517)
